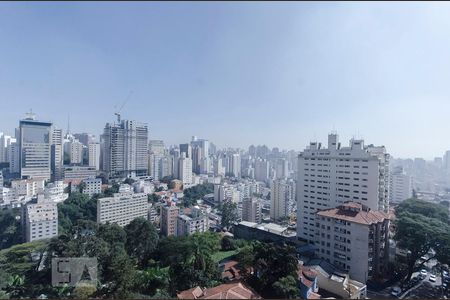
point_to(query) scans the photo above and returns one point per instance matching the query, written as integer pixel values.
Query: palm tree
(15, 286)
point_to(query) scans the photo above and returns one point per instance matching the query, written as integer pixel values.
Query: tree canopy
(420, 227)
(192, 194)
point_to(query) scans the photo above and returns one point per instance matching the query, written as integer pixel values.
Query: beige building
(122, 208)
(251, 210)
(354, 239)
(196, 221)
(28, 187)
(169, 214)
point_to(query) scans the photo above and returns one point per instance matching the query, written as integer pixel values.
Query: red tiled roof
(230, 270)
(305, 274)
(348, 213)
(234, 290)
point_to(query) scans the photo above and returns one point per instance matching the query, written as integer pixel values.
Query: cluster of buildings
(334, 200)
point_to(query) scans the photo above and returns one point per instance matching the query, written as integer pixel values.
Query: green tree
(142, 240)
(427, 209)
(129, 181)
(84, 291)
(152, 280)
(118, 273)
(153, 198)
(112, 234)
(229, 213)
(420, 227)
(270, 263)
(192, 194)
(227, 244)
(286, 288)
(77, 207)
(11, 228)
(15, 287)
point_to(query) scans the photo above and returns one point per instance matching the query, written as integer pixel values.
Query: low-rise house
(235, 290)
(336, 282)
(307, 283)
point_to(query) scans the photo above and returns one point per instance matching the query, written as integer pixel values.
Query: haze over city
(280, 74)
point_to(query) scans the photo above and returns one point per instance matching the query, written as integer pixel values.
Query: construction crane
(117, 113)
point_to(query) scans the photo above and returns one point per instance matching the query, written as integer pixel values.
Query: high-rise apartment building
(57, 154)
(34, 143)
(125, 149)
(251, 210)
(400, 186)
(261, 170)
(156, 153)
(76, 152)
(169, 215)
(94, 155)
(353, 238)
(185, 169)
(122, 208)
(279, 199)
(236, 165)
(282, 169)
(14, 158)
(5, 142)
(186, 148)
(41, 219)
(85, 138)
(328, 177)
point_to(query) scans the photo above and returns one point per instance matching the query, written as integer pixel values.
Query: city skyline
(277, 81)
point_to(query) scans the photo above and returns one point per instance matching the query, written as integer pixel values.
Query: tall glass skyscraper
(35, 150)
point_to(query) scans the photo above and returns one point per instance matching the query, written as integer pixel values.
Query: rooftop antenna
(30, 115)
(117, 113)
(68, 124)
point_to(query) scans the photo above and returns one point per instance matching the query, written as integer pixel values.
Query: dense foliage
(421, 226)
(11, 228)
(192, 194)
(229, 212)
(274, 269)
(76, 207)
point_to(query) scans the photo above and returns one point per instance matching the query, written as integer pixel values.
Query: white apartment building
(219, 169)
(94, 155)
(5, 142)
(54, 191)
(226, 192)
(353, 238)
(92, 186)
(41, 219)
(185, 169)
(236, 165)
(14, 157)
(282, 168)
(261, 170)
(400, 186)
(189, 224)
(251, 210)
(57, 154)
(328, 177)
(76, 152)
(122, 208)
(28, 187)
(279, 198)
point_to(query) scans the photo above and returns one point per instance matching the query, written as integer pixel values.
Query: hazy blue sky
(235, 73)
